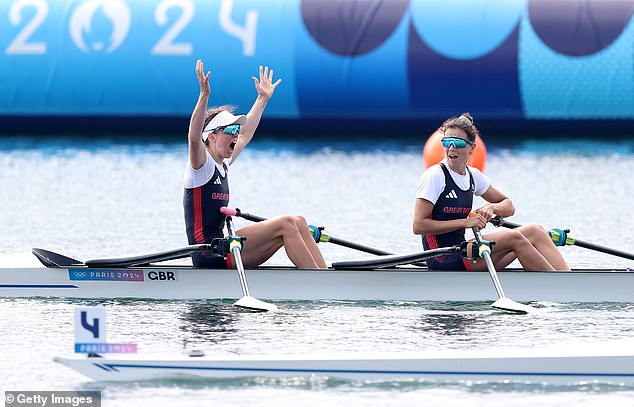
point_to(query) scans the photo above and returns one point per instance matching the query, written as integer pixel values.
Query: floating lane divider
(235, 247)
(560, 238)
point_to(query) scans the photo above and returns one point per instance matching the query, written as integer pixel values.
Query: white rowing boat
(600, 363)
(25, 276)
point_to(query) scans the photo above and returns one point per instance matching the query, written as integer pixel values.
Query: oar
(235, 246)
(319, 234)
(143, 259)
(503, 302)
(391, 261)
(567, 240)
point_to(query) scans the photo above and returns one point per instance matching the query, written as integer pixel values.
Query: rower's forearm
(253, 117)
(197, 120)
(436, 227)
(504, 208)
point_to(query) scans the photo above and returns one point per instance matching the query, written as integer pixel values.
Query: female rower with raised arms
(216, 139)
(444, 200)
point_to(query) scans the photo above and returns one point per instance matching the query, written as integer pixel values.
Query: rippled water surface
(108, 198)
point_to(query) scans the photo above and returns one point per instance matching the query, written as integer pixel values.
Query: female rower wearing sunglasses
(444, 199)
(216, 138)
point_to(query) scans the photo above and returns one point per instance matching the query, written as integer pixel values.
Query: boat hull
(511, 365)
(402, 284)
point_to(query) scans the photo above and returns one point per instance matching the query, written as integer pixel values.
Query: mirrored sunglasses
(455, 141)
(230, 130)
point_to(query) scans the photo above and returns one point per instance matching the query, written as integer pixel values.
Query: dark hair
(212, 112)
(463, 122)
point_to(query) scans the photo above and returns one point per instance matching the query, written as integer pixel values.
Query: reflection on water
(449, 324)
(207, 323)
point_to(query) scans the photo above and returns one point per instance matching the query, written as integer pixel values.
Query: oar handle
(499, 221)
(244, 215)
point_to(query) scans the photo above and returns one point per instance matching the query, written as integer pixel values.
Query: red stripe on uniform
(431, 241)
(198, 216)
(433, 244)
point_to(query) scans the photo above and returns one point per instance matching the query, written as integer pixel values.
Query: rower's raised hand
(203, 79)
(265, 85)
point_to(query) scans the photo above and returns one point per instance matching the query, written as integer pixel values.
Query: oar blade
(507, 304)
(253, 304)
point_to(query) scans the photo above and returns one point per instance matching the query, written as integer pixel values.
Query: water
(107, 198)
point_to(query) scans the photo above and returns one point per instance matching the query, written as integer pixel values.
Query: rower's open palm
(203, 79)
(265, 85)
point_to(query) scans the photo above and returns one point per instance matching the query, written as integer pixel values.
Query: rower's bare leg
(267, 237)
(513, 241)
(302, 226)
(538, 236)
(500, 259)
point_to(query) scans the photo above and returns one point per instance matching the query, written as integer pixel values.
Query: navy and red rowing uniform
(453, 203)
(206, 191)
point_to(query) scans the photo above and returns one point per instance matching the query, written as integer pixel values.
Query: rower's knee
(300, 221)
(517, 239)
(287, 222)
(534, 232)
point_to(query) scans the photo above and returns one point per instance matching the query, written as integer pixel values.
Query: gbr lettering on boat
(161, 275)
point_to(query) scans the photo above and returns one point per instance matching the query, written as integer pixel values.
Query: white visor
(223, 119)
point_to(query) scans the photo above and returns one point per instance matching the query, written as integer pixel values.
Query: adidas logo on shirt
(452, 194)
(217, 181)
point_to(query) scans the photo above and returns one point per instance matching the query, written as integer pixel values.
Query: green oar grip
(319, 234)
(235, 241)
(560, 237)
(484, 246)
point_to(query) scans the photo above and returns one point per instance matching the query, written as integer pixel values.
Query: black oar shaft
(248, 216)
(149, 258)
(331, 239)
(603, 249)
(586, 245)
(395, 260)
(357, 246)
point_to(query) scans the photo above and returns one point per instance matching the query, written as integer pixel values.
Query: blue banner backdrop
(499, 59)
